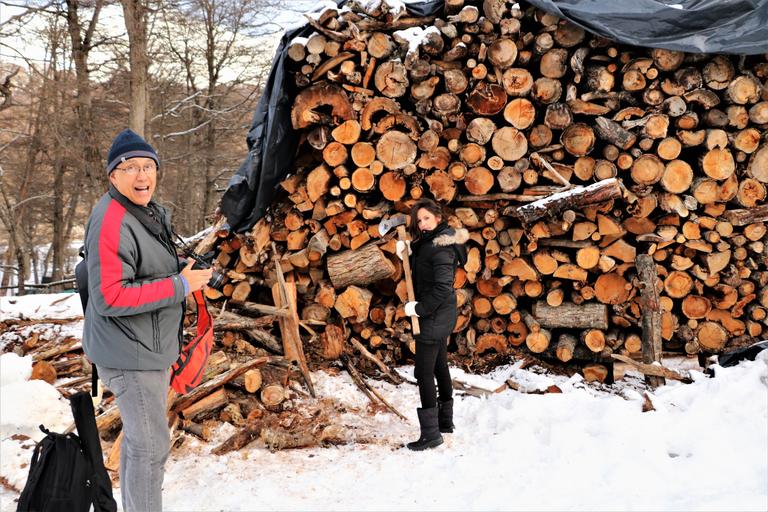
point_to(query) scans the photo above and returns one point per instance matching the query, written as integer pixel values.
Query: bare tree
(135, 14)
(82, 42)
(217, 45)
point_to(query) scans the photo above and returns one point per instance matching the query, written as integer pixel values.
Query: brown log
(588, 257)
(272, 396)
(651, 320)
(504, 303)
(354, 302)
(318, 182)
(395, 150)
(391, 79)
(593, 339)
(380, 45)
(613, 132)
(566, 345)
(360, 267)
(678, 284)
(502, 53)
(252, 380)
(677, 177)
(347, 133)
(547, 90)
(744, 89)
(654, 370)
(578, 139)
(441, 185)
(558, 116)
(554, 63)
(612, 288)
(744, 217)
(206, 405)
(45, 371)
(751, 193)
(497, 342)
(304, 106)
(520, 113)
(569, 315)
(718, 164)
(517, 81)
(480, 129)
(711, 336)
(374, 107)
(595, 372)
(487, 99)
(392, 185)
(509, 143)
(479, 180)
(576, 198)
(363, 154)
(647, 170)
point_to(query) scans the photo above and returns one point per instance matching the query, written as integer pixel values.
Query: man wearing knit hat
(134, 317)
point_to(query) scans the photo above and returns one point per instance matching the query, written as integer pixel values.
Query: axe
(385, 226)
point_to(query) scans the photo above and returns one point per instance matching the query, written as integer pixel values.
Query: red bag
(187, 371)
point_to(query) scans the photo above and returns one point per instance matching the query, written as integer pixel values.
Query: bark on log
(360, 267)
(651, 310)
(569, 315)
(575, 198)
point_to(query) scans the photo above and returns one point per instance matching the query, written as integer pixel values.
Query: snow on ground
(704, 447)
(41, 306)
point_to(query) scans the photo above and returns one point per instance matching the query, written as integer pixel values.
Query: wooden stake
(651, 309)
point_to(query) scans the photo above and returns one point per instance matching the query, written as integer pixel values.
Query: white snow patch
(414, 36)
(543, 203)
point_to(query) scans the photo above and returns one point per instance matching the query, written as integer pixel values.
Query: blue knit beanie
(128, 144)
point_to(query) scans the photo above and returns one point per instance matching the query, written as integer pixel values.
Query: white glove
(400, 247)
(410, 308)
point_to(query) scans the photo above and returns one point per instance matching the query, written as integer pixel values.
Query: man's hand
(197, 279)
(410, 308)
(400, 248)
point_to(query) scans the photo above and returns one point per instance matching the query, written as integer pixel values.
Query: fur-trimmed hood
(452, 237)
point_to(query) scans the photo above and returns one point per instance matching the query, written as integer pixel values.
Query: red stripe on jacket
(115, 294)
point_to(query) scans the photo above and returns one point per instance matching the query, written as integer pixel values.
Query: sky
(704, 447)
(27, 46)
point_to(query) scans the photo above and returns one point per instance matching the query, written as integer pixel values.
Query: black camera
(203, 262)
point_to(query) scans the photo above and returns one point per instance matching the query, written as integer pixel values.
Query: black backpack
(67, 471)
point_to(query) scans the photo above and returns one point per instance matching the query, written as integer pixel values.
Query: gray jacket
(134, 316)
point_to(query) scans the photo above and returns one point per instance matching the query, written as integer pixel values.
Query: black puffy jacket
(434, 260)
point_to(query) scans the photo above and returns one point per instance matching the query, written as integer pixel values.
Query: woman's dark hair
(427, 204)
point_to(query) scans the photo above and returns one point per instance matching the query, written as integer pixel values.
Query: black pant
(431, 362)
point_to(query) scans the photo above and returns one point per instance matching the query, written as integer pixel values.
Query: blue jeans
(142, 399)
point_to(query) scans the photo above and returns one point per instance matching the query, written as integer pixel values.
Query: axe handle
(401, 235)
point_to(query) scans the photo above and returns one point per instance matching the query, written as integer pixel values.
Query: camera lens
(216, 281)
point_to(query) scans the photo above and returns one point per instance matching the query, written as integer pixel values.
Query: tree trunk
(135, 15)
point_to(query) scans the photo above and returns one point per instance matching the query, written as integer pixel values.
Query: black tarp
(696, 26)
(712, 26)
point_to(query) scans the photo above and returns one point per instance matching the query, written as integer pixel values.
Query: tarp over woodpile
(711, 26)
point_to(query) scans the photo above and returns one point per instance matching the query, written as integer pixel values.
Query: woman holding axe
(436, 251)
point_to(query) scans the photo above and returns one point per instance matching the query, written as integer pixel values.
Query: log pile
(566, 155)
(261, 395)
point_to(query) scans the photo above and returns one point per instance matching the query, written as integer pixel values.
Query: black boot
(445, 416)
(430, 433)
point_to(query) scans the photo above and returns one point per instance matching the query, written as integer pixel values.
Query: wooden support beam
(651, 310)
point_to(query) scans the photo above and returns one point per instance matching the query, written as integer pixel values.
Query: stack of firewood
(564, 154)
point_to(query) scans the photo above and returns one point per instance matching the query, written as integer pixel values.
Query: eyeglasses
(133, 170)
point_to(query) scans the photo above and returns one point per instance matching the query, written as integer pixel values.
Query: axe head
(387, 225)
